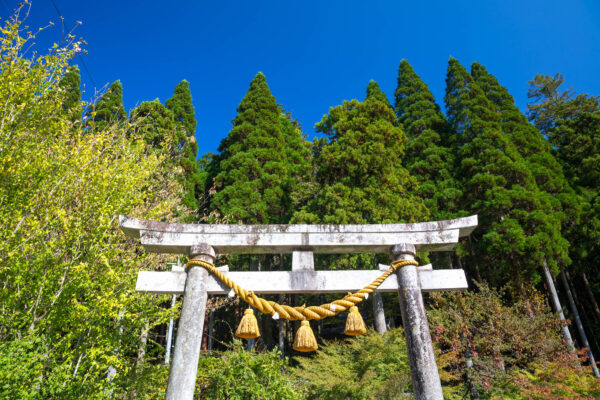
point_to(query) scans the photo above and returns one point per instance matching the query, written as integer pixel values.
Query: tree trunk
(281, 326)
(170, 333)
(557, 307)
(590, 294)
(378, 313)
(581, 306)
(211, 329)
(579, 325)
(142, 347)
(205, 331)
(267, 332)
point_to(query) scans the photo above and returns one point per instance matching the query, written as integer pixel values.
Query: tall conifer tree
(428, 158)
(517, 230)
(182, 108)
(572, 123)
(564, 204)
(183, 113)
(109, 107)
(155, 122)
(71, 83)
(262, 161)
(536, 150)
(359, 169)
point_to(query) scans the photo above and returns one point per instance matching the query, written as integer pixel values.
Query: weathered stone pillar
(423, 369)
(182, 375)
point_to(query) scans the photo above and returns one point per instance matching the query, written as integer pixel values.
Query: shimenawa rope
(302, 312)
(305, 339)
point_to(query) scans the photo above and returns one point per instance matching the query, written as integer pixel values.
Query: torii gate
(401, 241)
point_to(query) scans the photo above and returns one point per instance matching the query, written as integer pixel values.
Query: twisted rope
(302, 312)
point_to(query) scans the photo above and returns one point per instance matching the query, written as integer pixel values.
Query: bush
(513, 347)
(370, 366)
(237, 374)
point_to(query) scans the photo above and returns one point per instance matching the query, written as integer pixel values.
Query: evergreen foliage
(154, 122)
(571, 123)
(517, 229)
(182, 108)
(551, 106)
(71, 83)
(374, 92)
(240, 374)
(428, 157)
(185, 121)
(534, 148)
(359, 173)
(261, 163)
(109, 108)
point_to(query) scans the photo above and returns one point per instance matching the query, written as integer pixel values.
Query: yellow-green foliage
(69, 314)
(370, 366)
(552, 380)
(238, 374)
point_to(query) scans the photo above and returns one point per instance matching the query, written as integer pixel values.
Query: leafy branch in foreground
(66, 270)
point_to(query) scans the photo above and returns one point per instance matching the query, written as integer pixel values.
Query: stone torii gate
(203, 242)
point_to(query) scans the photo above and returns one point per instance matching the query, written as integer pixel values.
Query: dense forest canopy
(71, 325)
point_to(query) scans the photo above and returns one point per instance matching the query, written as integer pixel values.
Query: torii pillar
(423, 369)
(182, 383)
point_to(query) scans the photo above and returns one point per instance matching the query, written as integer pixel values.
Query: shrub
(370, 366)
(237, 374)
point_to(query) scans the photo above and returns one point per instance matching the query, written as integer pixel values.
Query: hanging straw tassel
(305, 338)
(354, 323)
(248, 328)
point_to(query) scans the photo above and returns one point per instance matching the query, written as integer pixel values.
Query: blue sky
(315, 54)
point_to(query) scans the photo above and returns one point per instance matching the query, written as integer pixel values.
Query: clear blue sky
(317, 53)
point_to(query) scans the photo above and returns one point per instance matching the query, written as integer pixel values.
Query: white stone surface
(303, 261)
(272, 282)
(163, 237)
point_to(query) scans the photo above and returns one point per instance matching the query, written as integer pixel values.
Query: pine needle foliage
(71, 83)
(261, 163)
(109, 108)
(180, 105)
(359, 169)
(517, 229)
(428, 156)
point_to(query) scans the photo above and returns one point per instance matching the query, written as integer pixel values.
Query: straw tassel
(354, 323)
(248, 328)
(305, 338)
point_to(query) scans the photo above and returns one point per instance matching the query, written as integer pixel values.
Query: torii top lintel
(164, 237)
